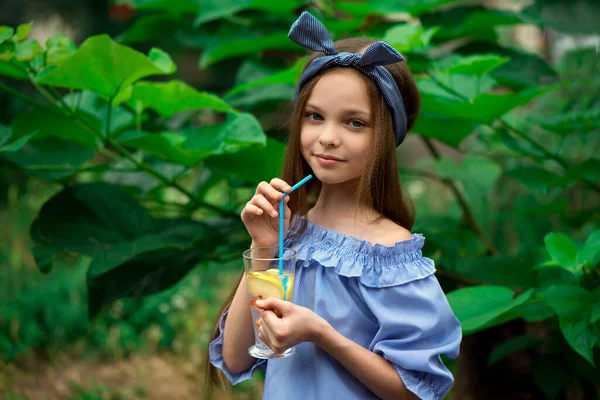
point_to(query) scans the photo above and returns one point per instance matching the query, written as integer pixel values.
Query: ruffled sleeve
(215, 351)
(416, 326)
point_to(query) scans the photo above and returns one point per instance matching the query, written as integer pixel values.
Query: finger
(260, 201)
(274, 304)
(281, 185)
(266, 335)
(269, 192)
(250, 211)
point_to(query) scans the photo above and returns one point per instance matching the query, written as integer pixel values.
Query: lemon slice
(268, 284)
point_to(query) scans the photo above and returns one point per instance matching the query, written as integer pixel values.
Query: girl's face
(337, 127)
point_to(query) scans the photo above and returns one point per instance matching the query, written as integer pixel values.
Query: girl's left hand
(296, 324)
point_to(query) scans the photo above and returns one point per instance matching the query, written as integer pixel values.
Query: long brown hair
(379, 187)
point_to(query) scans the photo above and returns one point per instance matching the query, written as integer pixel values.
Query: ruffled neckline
(376, 265)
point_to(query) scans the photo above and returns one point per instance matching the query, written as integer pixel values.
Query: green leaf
(101, 66)
(145, 274)
(476, 306)
(162, 60)
(173, 97)
(566, 123)
(550, 375)
(577, 16)
(175, 7)
(245, 47)
(23, 31)
(474, 22)
(27, 50)
(266, 162)
(211, 10)
(448, 86)
(485, 108)
(7, 51)
(451, 131)
(90, 103)
(286, 76)
(595, 314)
(413, 7)
(589, 255)
(51, 158)
(476, 65)
(150, 27)
(562, 250)
(410, 38)
(43, 256)
(6, 32)
(521, 342)
(52, 124)
(535, 178)
(5, 134)
(99, 216)
(573, 306)
(17, 144)
(535, 310)
(13, 69)
(59, 48)
(523, 70)
(190, 147)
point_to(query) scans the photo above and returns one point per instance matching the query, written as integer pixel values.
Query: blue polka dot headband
(309, 32)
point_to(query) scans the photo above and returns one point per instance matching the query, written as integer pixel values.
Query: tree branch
(464, 205)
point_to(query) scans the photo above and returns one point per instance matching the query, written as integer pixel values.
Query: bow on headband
(309, 32)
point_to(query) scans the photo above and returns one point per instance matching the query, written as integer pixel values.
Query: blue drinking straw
(281, 212)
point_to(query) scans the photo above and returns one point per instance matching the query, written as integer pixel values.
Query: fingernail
(274, 213)
(260, 303)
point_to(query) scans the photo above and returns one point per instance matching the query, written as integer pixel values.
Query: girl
(368, 317)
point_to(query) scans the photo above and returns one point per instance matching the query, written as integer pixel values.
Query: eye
(314, 116)
(357, 124)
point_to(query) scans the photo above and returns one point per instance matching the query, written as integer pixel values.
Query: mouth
(327, 157)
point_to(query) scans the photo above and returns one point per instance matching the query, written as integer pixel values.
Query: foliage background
(129, 147)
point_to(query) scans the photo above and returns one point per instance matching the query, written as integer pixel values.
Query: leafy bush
(156, 171)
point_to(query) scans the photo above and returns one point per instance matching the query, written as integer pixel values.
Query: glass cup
(261, 266)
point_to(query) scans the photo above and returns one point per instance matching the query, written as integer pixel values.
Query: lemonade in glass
(268, 275)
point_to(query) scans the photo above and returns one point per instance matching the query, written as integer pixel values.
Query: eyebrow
(349, 111)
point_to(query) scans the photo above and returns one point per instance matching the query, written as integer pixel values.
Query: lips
(328, 157)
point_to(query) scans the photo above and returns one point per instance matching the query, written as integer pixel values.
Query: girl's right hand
(261, 213)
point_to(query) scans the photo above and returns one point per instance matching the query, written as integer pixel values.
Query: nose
(329, 136)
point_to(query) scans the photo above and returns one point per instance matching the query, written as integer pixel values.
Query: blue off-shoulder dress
(385, 298)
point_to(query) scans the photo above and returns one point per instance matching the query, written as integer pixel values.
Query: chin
(331, 177)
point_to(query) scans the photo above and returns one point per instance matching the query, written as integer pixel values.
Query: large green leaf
(448, 130)
(191, 146)
(266, 162)
(451, 86)
(564, 124)
(176, 7)
(51, 158)
(562, 250)
(102, 66)
(473, 22)
(573, 306)
(173, 97)
(53, 124)
(92, 104)
(27, 50)
(245, 47)
(501, 351)
(89, 218)
(13, 68)
(485, 108)
(535, 178)
(476, 65)
(477, 306)
(414, 7)
(410, 38)
(573, 16)
(150, 27)
(286, 76)
(589, 255)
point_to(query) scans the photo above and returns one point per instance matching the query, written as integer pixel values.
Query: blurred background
(133, 132)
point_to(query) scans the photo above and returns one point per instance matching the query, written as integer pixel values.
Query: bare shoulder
(390, 233)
